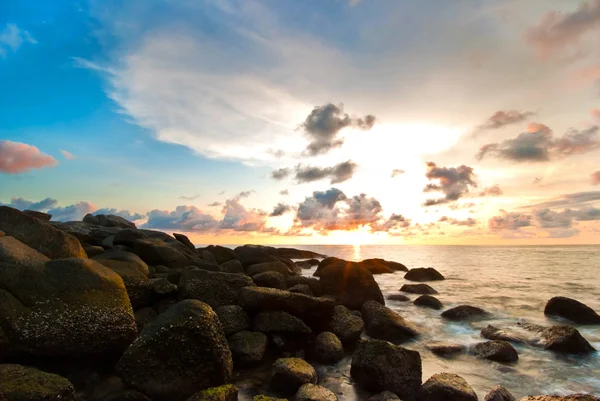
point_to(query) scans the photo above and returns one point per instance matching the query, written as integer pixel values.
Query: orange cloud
(18, 158)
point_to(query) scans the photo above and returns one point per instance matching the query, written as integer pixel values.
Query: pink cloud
(596, 113)
(596, 178)
(67, 155)
(18, 158)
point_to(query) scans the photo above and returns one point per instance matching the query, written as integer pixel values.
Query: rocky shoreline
(100, 310)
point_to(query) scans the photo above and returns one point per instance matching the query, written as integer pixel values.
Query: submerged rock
(424, 274)
(346, 325)
(446, 349)
(383, 323)
(429, 301)
(289, 374)
(418, 289)
(399, 298)
(352, 286)
(498, 351)
(328, 348)
(499, 393)
(565, 339)
(22, 383)
(312, 392)
(247, 347)
(494, 333)
(571, 309)
(446, 386)
(464, 312)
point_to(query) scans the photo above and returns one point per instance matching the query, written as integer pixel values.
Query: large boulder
(39, 235)
(139, 288)
(233, 319)
(87, 233)
(328, 348)
(351, 285)
(221, 253)
(346, 325)
(227, 392)
(379, 365)
(214, 288)
(123, 256)
(429, 301)
(270, 279)
(110, 220)
(571, 309)
(232, 266)
(250, 255)
(315, 312)
(248, 347)
(418, 289)
(128, 236)
(464, 312)
(301, 289)
(572, 397)
(424, 274)
(279, 322)
(446, 386)
(384, 324)
(312, 392)
(38, 215)
(564, 339)
(22, 383)
(185, 241)
(315, 285)
(499, 393)
(496, 350)
(61, 308)
(375, 266)
(276, 266)
(154, 251)
(186, 341)
(384, 396)
(289, 374)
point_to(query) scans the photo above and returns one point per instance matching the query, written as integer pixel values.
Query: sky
(469, 122)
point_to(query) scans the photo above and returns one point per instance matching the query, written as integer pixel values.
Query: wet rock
(384, 396)
(314, 284)
(109, 220)
(352, 286)
(498, 351)
(276, 266)
(185, 241)
(128, 236)
(269, 322)
(157, 252)
(494, 333)
(572, 397)
(564, 339)
(227, 392)
(446, 349)
(418, 289)
(247, 347)
(250, 255)
(39, 235)
(123, 256)
(429, 301)
(167, 353)
(464, 312)
(379, 365)
(375, 266)
(446, 386)
(424, 274)
(139, 288)
(289, 374)
(328, 348)
(499, 393)
(144, 316)
(38, 215)
(270, 279)
(22, 383)
(312, 392)
(233, 266)
(214, 288)
(301, 289)
(571, 309)
(233, 319)
(93, 250)
(398, 298)
(221, 253)
(384, 324)
(346, 326)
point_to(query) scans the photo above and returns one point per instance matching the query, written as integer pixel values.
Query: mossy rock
(227, 392)
(279, 322)
(215, 288)
(347, 326)
(22, 383)
(267, 398)
(312, 392)
(446, 386)
(233, 319)
(139, 288)
(289, 374)
(247, 347)
(328, 348)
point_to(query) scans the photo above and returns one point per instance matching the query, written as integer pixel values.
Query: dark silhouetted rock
(572, 397)
(571, 309)
(424, 274)
(494, 333)
(429, 301)
(22, 383)
(314, 284)
(123, 256)
(233, 319)
(221, 253)
(161, 288)
(312, 392)
(270, 279)
(184, 240)
(375, 266)
(288, 253)
(233, 266)
(384, 324)
(464, 312)
(301, 289)
(418, 289)
(111, 220)
(228, 392)
(379, 365)
(276, 266)
(38, 215)
(499, 393)
(384, 396)
(248, 347)
(496, 350)
(39, 235)
(564, 339)
(347, 326)
(157, 252)
(446, 349)
(250, 255)
(446, 386)
(352, 286)
(93, 250)
(328, 348)
(289, 374)
(127, 237)
(144, 316)
(398, 298)
(214, 288)
(168, 352)
(269, 322)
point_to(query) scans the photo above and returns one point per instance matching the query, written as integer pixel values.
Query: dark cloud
(453, 182)
(596, 178)
(244, 194)
(510, 221)
(494, 190)
(339, 173)
(280, 174)
(126, 214)
(396, 172)
(189, 198)
(394, 222)
(503, 118)
(280, 209)
(183, 218)
(214, 204)
(330, 197)
(284, 192)
(456, 222)
(221, 193)
(16, 158)
(23, 204)
(324, 123)
(572, 200)
(539, 145)
(362, 210)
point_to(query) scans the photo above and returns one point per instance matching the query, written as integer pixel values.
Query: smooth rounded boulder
(215, 288)
(497, 351)
(429, 301)
(572, 310)
(155, 251)
(233, 319)
(289, 374)
(279, 322)
(499, 393)
(276, 266)
(247, 347)
(186, 341)
(384, 324)
(565, 339)
(328, 348)
(346, 325)
(418, 289)
(270, 279)
(464, 312)
(351, 285)
(446, 386)
(424, 274)
(312, 392)
(23, 383)
(227, 392)
(315, 285)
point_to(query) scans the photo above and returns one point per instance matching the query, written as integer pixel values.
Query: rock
(394, 266)
(312, 392)
(91, 219)
(157, 252)
(494, 333)
(496, 350)
(375, 266)
(39, 235)
(185, 341)
(227, 392)
(123, 256)
(233, 266)
(111, 220)
(384, 396)
(277, 266)
(174, 275)
(250, 255)
(446, 349)
(160, 269)
(270, 279)
(127, 237)
(315, 312)
(221, 253)
(499, 393)
(307, 264)
(418, 289)
(2, 234)
(572, 397)
(61, 308)
(22, 383)
(208, 257)
(464, 312)
(144, 316)
(139, 288)
(379, 365)
(293, 253)
(233, 319)
(281, 322)
(161, 288)
(571, 309)
(315, 285)
(384, 324)
(346, 326)
(399, 298)
(446, 386)
(87, 233)
(185, 241)
(93, 250)
(38, 215)
(429, 301)
(328, 348)
(424, 274)
(289, 374)
(564, 339)
(248, 347)
(214, 288)
(163, 305)
(352, 286)
(267, 398)
(301, 289)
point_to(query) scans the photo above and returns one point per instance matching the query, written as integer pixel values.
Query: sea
(513, 283)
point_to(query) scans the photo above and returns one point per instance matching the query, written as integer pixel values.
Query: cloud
(190, 198)
(503, 118)
(557, 31)
(396, 172)
(214, 204)
(244, 194)
(394, 222)
(539, 145)
(16, 158)
(596, 178)
(280, 209)
(453, 182)
(74, 212)
(456, 222)
(494, 190)
(510, 221)
(324, 123)
(319, 209)
(339, 173)
(67, 155)
(11, 38)
(280, 174)
(595, 113)
(572, 200)
(183, 218)
(238, 218)
(126, 214)
(24, 204)
(284, 192)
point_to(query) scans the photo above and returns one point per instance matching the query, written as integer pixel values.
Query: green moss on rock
(227, 392)
(22, 383)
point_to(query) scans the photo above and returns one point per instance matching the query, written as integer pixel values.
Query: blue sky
(162, 104)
